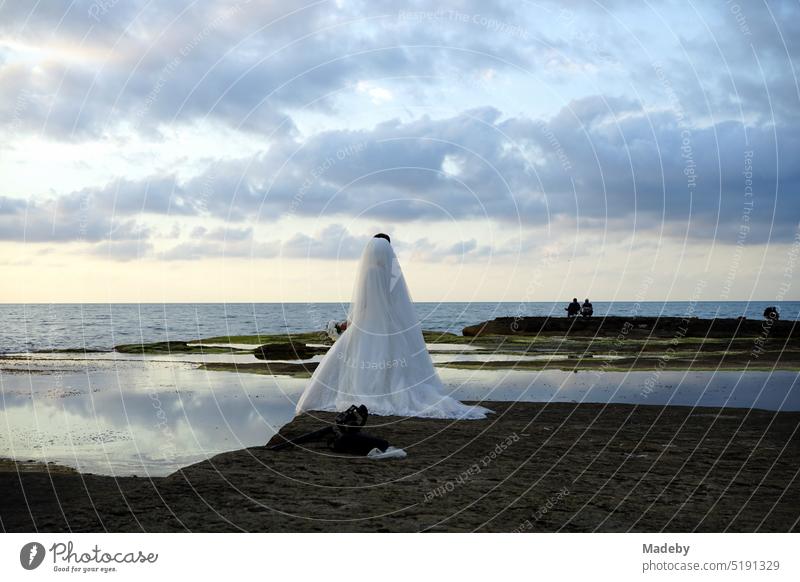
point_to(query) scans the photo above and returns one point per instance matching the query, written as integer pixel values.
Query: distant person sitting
(573, 308)
(586, 309)
(771, 312)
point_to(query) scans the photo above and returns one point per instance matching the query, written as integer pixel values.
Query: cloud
(600, 160)
(611, 120)
(333, 242)
(126, 250)
(222, 234)
(74, 73)
(66, 219)
(220, 243)
(600, 157)
(430, 251)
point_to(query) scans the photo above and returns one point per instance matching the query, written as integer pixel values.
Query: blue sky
(521, 151)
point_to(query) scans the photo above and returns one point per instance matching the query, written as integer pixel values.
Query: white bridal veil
(381, 359)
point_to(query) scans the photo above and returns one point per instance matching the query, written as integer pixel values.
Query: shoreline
(624, 467)
(609, 343)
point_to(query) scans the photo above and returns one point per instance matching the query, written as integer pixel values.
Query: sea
(96, 326)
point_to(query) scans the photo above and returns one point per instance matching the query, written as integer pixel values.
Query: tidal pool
(120, 414)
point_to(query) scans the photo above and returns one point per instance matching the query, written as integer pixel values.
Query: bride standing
(381, 359)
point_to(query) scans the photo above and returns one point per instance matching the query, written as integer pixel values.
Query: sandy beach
(663, 427)
(530, 468)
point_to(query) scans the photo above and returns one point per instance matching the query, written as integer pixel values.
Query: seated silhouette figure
(573, 308)
(586, 309)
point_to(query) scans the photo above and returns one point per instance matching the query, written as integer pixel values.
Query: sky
(520, 151)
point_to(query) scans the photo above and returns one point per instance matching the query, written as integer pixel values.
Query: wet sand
(531, 467)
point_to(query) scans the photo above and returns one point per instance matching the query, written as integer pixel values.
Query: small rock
(285, 351)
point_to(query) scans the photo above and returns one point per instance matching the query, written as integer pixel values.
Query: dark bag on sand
(352, 419)
(349, 439)
(358, 443)
(344, 436)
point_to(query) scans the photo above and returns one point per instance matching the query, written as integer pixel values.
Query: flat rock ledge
(635, 327)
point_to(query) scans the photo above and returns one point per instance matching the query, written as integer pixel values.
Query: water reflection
(730, 388)
(134, 415)
(148, 420)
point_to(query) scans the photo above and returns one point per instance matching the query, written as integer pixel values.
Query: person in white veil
(381, 359)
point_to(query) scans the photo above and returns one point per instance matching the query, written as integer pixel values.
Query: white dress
(381, 360)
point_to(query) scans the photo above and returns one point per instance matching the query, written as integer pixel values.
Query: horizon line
(521, 301)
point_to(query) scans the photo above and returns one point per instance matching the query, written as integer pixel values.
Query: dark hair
(382, 235)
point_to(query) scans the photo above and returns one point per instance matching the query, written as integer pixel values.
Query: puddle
(142, 418)
(122, 414)
(453, 348)
(730, 388)
(248, 347)
(444, 358)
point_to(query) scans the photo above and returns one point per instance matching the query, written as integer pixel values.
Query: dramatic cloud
(66, 220)
(676, 120)
(99, 65)
(598, 158)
